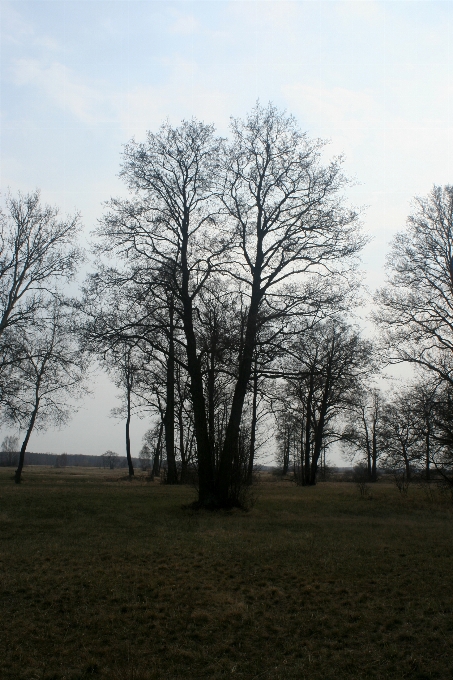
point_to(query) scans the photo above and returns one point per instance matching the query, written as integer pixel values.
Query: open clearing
(105, 578)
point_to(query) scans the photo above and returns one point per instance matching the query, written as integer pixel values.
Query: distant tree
(124, 363)
(10, 446)
(51, 370)
(131, 312)
(400, 431)
(325, 368)
(425, 398)
(152, 447)
(110, 459)
(363, 430)
(145, 457)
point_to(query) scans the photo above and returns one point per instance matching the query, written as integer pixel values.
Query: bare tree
(325, 368)
(259, 216)
(152, 447)
(289, 221)
(51, 369)
(363, 430)
(169, 225)
(415, 308)
(425, 399)
(110, 459)
(124, 364)
(129, 323)
(37, 248)
(10, 446)
(401, 433)
(435, 418)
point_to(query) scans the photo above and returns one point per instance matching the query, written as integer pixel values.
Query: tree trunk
(206, 488)
(18, 473)
(374, 455)
(182, 448)
(286, 449)
(319, 430)
(407, 465)
(253, 429)
(128, 423)
(211, 382)
(368, 445)
(172, 472)
(428, 452)
(157, 452)
(317, 449)
(231, 443)
(308, 424)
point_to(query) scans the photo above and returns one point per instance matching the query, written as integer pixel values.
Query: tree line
(221, 306)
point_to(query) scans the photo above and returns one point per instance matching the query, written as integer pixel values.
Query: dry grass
(103, 578)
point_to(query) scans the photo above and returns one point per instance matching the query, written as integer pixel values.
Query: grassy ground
(105, 578)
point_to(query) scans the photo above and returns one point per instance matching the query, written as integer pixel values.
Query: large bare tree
(261, 214)
(415, 308)
(289, 222)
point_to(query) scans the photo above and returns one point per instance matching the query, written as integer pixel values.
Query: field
(106, 578)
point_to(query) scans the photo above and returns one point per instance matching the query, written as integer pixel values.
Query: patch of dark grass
(103, 578)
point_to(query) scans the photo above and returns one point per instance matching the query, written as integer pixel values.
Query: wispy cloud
(15, 30)
(183, 24)
(136, 109)
(55, 80)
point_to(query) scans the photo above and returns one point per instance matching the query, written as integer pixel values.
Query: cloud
(86, 103)
(145, 107)
(334, 105)
(13, 28)
(16, 31)
(369, 10)
(135, 110)
(183, 24)
(348, 116)
(274, 14)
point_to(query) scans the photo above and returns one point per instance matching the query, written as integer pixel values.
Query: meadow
(106, 578)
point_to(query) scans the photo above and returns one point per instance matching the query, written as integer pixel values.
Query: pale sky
(80, 78)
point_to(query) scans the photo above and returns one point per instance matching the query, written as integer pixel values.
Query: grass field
(106, 578)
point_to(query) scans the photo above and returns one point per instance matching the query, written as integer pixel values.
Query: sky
(80, 78)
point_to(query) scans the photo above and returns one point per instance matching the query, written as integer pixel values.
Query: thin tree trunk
(428, 452)
(308, 424)
(407, 464)
(286, 449)
(128, 438)
(368, 445)
(157, 452)
(211, 382)
(253, 429)
(172, 472)
(182, 448)
(18, 473)
(374, 455)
